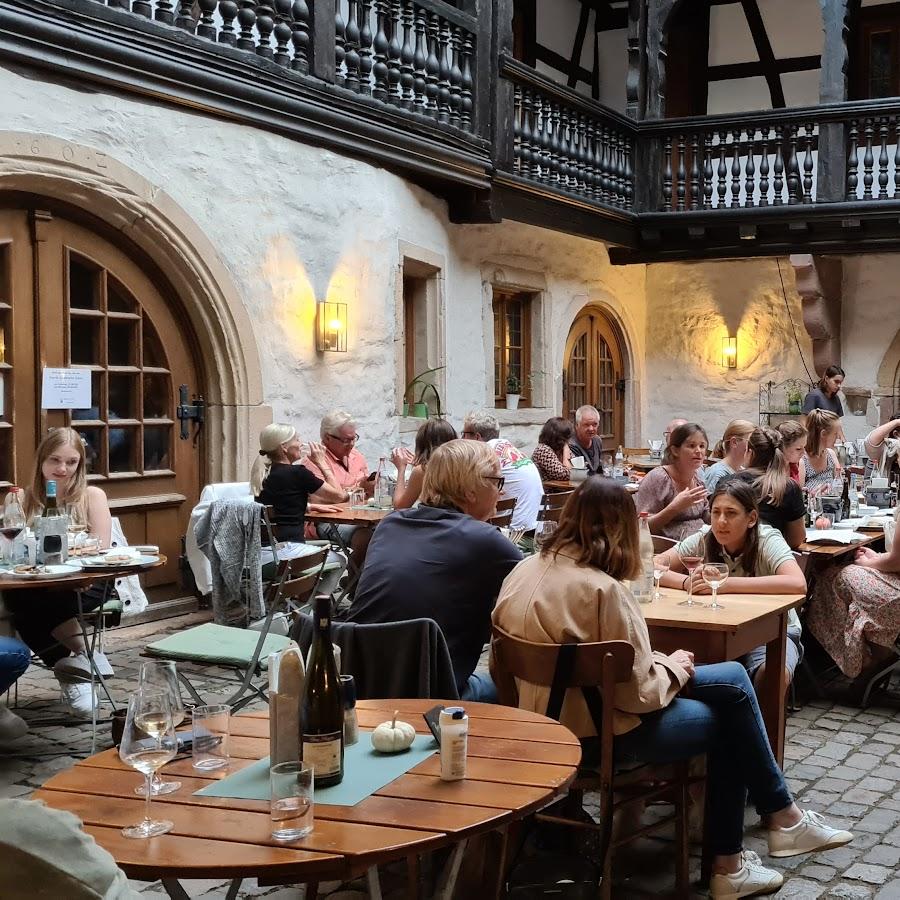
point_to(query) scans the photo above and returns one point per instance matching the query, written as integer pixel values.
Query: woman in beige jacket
(575, 591)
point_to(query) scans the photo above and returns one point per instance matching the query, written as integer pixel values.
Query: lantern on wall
(729, 352)
(331, 327)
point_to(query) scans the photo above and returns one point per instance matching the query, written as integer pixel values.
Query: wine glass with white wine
(148, 743)
(161, 675)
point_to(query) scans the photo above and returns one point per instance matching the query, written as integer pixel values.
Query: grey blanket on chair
(228, 535)
(393, 659)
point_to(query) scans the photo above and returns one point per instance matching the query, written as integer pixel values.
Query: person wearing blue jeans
(14, 657)
(576, 591)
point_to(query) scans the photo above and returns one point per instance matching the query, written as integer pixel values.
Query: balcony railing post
(648, 166)
(831, 182)
(321, 32)
(498, 90)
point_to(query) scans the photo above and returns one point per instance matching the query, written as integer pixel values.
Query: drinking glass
(13, 525)
(161, 675)
(690, 563)
(660, 567)
(714, 574)
(357, 496)
(656, 448)
(292, 800)
(211, 725)
(148, 743)
(543, 532)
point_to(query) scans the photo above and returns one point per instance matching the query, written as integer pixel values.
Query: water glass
(357, 496)
(211, 726)
(292, 800)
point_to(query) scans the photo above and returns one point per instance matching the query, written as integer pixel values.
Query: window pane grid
(511, 344)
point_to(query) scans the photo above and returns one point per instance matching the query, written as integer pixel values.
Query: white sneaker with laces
(12, 727)
(78, 665)
(78, 696)
(809, 834)
(751, 880)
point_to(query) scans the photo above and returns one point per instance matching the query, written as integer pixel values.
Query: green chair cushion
(213, 644)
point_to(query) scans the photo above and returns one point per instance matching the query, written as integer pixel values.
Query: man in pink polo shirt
(339, 437)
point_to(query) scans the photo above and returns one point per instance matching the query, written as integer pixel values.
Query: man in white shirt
(521, 477)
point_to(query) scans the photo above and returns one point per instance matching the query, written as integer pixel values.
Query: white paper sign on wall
(66, 389)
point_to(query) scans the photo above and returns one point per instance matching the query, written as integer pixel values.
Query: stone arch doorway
(887, 388)
(594, 372)
(154, 269)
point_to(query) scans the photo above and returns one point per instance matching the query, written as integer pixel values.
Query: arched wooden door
(594, 373)
(71, 298)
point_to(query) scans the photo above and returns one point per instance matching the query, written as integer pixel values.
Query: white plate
(850, 524)
(101, 562)
(59, 571)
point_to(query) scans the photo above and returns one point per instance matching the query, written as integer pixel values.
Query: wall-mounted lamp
(331, 327)
(729, 352)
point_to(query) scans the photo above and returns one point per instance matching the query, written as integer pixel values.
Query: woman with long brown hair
(46, 620)
(553, 455)
(429, 437)
(820, 465)
(794, 435)
(730, 453)
(575, 590)
(825, 394)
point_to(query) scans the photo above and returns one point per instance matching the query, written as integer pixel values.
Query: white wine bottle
(322, 709)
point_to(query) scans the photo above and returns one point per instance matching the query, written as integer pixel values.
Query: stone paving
(839, 760)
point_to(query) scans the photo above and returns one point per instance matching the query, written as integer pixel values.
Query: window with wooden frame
(512, 346)
(876, 53)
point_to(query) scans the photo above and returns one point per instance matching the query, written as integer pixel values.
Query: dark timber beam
(578, 45)
(766, 54)
(731, 71)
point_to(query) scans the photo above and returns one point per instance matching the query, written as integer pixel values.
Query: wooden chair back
(594, 669)
(301, 575)
(269, 528)
(661, 544)
(552, 505)
(504, 512)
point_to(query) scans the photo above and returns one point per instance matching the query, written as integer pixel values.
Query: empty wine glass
(161, 675)
(660, 567)
(715, 574)
(690, 563)
(148, 743)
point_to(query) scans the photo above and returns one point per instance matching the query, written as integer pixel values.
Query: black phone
(433, 721)
(185, 742)
(371, 476)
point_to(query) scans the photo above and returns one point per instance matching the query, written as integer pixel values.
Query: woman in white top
(730, 453)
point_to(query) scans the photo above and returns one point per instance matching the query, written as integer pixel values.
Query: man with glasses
(443, 561)
(521, 475)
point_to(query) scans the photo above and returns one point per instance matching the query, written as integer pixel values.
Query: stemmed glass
(162, 676)
(660, 567)
(690, 563)
(148, 743)
(714, 574)
(543, 532)
(13, 523)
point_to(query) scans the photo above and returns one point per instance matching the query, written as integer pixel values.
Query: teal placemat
(365, 772)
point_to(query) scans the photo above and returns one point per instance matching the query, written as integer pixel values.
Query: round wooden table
(77, 581)
(644, 463)
(518, 762)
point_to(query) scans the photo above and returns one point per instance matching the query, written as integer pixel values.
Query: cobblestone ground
(839, 760)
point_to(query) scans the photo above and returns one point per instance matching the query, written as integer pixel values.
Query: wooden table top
(832, 551)
(738, 610)
(348, 515)
(77, 580)
(644, 463)
(517, 762)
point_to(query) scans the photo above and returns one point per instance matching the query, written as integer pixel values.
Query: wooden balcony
(428, 89)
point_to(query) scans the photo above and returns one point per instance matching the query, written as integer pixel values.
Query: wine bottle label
(323, 753)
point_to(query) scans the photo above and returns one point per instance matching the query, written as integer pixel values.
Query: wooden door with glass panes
(594, 374)
(69, 297)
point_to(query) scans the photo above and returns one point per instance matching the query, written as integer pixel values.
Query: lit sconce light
(729, 352)
(331, 327)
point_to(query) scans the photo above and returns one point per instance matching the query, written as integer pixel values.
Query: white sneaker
(751, 880)
(809, 834)
(78, 666)
(78, 696)
(12, 727)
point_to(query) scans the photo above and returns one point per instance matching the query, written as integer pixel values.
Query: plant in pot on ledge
(513, 391)
(419, 407)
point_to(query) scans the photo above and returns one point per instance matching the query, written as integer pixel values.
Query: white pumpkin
(393, 736)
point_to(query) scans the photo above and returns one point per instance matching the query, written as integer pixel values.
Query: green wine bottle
(322, 708)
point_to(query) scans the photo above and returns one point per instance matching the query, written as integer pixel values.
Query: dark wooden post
(502, 100)
(636, 78)
(321, 31)
(831, 183)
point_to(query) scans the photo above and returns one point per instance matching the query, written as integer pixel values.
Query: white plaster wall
(294, 224)
(690, 308)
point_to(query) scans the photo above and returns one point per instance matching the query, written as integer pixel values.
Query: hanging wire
(787, 306)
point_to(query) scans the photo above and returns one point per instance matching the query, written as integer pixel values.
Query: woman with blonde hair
(575, 590)
(730, 452)
(820, 465)
(794, 435)
(47, 620)
(276, 481)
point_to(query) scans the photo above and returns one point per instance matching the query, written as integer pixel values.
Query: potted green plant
(417, 405)
(794, 400)
(513, 391)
